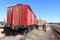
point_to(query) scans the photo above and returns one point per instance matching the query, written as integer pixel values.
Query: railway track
(56, 30)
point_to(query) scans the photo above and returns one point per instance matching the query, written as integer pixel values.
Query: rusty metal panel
(24, 15)
(16, 13)
(29, 17)
(9, 15)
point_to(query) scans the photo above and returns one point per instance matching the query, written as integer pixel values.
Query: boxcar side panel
(24, 15)
(29, 17)
(15, 16)
(9, 15)
(33, 19)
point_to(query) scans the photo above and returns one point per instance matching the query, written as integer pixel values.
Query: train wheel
(37, 27)
(14, 32)
(7, 31)
(29, 29)
(25, 31)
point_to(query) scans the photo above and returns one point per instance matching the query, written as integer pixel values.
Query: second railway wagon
(19, 17)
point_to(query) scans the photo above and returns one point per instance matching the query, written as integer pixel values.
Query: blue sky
(48, 10)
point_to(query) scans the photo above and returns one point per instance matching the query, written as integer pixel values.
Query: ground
(34, 35)
(41, 35)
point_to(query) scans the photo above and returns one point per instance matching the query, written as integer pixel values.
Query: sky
(48, 10)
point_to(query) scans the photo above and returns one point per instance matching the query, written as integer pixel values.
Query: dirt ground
(41, 35)
(34, 35)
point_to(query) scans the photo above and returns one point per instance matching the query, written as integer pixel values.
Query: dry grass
(35, 34)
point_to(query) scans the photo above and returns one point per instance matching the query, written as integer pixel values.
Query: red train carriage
(19, 17)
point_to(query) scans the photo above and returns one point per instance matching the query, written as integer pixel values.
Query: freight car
(42, 24)
(20, 18)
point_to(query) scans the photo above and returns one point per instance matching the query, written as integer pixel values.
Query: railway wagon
(42, 24)
(20, 18)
